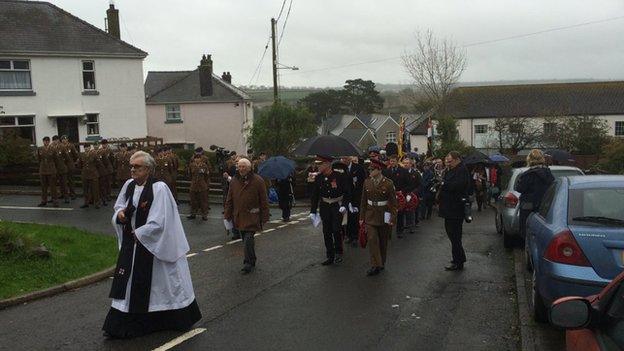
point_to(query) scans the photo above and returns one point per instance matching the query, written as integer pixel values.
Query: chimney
(112, 19)
(205, 76)
(227, 77)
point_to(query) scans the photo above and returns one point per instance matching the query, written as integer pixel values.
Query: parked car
(575, 242)
(507, 205)
(593, 323)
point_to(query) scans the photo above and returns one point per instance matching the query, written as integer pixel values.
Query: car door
(539, 227)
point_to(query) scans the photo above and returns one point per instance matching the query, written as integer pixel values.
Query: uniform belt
(377, 203)
(332, 200)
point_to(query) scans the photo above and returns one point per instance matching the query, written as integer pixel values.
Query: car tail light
(510, 200)
(563, 248)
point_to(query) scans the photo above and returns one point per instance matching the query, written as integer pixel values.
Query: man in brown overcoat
(200, 184)
(47, 172)
(247, 208)
(378, 212)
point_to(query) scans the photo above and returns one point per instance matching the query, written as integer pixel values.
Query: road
(291, 301)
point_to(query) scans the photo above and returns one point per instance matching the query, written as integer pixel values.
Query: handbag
(273, 198)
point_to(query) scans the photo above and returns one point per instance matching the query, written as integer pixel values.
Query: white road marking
(275, 221)
(37, 208)
(268, 230)
(233, 241)
(257, 234)
(294, 222)
(213, 248)
(191, 255)
(282, 226)
(180, 339)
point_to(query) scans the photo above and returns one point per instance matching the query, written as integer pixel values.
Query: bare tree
(435, 66)
(516, 133)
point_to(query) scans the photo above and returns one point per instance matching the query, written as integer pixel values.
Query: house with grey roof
(198, 108)
(62, 75)
(477, 108)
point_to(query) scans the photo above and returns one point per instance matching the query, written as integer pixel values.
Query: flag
(401, 139)
(429, 137)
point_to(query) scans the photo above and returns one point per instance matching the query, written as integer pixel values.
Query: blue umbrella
(277, 167)
(498, 158)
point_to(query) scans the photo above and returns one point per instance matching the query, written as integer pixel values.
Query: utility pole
(273, 34)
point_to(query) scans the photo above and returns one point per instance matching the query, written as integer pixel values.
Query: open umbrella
(476, 157)
(498, 158)
(330, 145)
(277, 167)
(561, 156)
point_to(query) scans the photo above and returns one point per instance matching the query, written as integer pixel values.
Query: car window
(596, 207)
(558, 173)
(547, 200)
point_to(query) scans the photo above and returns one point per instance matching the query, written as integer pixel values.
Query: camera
(222, 155)
(467, 209)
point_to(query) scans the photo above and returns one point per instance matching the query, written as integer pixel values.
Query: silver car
(507, 204)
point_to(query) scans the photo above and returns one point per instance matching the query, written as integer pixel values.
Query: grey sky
(329, 33)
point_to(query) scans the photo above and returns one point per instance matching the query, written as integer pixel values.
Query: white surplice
(163, 236)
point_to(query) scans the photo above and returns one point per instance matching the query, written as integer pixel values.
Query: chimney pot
(205, 76)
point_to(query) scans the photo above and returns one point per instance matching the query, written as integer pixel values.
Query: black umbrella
(560, 156)
(476, 157)
(330, 145)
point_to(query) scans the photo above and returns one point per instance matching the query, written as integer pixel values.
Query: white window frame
(621, 128)
(87, 71)
(90, 123)
(391, 137)
(173, 113)
(13, 69)
(17, 125)
(477, 128)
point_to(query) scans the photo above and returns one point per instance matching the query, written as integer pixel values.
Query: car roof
(552, 168)
(599, 181)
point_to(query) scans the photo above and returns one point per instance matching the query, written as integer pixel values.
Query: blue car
(575, 242)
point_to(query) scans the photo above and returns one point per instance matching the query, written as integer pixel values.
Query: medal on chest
(334, 185)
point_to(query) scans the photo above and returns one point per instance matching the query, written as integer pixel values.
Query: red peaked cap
(324, 158)
(377, 164)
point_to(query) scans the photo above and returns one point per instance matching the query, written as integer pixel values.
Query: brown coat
(247, 204)
(59, 160)
(163, 169)
(200, 175)
(122, 165)
(88, 165)
(47, 158)
(106, 157)
(384, 191)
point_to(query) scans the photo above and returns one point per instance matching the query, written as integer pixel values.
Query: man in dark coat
(399, 177)
(453, 192)
(356, 176)
(532, 185)
(285, 195)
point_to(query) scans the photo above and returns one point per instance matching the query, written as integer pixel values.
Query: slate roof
(183, 86)
(353, 134)
(590, 98)
(40, 28)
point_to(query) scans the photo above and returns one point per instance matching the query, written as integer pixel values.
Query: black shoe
(454, 267)
(246, 269)
(73, 197)
(97, 207)
(382, 268)
(373, 271)
(400, 236)
(338, 259)
(104, 203)
(84, 206)
(204, 218)
(354, 243)
(56, 204)
(191, 216)
(328, 262)
(286, 220)
(66, 200)
(42, 204)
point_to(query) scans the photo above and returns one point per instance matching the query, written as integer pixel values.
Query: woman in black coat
(532, 185)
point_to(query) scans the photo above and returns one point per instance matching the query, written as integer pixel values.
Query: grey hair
(148, 160)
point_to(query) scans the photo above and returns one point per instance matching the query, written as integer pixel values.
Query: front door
(68, 126)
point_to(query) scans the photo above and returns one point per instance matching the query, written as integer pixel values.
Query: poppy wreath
(412, 204)
(362, 235)
(401, 200)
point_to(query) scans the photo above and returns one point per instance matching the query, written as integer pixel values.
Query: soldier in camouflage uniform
(61, 167)
(163, 168)
(89, 163)
(71, 156)
(122, 164)
(199, 174)
(106, 158)
(47, 172)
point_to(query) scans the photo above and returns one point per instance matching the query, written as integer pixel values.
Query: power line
(284, 25)
(281, 9)
(258, 68)
(518, 36)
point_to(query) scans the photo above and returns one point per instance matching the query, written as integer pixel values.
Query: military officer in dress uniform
(378, 212)
(399, 176)
(331, 196)
(61, 167)
(122, 164)
(356, 176)
(89, 163)
(47, 172)
(199, 173)
(71, 156)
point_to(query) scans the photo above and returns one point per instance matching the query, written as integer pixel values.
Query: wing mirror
(571, 313)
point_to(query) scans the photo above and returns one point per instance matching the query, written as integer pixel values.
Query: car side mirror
(571, 313)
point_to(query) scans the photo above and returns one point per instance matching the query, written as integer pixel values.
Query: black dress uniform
(330, 193)
(399, 176)
(356, 176)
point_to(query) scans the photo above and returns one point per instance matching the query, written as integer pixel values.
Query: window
(391, 137)
(619, 128)
(547, 201)
(481, 128)
(93, 124)
(23, 127)
(88, 75)
(597, 204)
(15, 75)
(173, 113)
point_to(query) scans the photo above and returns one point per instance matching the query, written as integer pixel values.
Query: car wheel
(538, 308)
(499, 223)
(527, 257)
(508, 240)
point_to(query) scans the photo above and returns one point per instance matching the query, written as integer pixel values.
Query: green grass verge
(74, 253)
